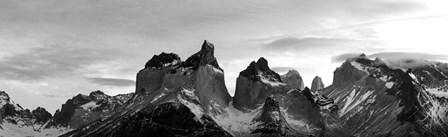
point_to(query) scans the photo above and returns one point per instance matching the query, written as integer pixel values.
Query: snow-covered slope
(18, 122)
(83, 109)
(378, 100)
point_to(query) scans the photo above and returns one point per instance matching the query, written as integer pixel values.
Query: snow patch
(358, 66)
(196, 109)
(275, 115)
(384, 78)
(413, 77)
(171, 63)
(389, 84)
(268, 80)
(236, 120)
(158, 97)
(354, 100)
(190, 94)
(90, 105)
(13, 130)
(438, 92)
(216, 70)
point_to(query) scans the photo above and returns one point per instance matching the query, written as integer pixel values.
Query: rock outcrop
(317, 84)
(318, 115)
(83, 109)
(293, 79)
(255, 83)
(178, 99)
(41, 115)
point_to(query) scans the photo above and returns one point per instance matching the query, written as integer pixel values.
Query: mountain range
(368, 97)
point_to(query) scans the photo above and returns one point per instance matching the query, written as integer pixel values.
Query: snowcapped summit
(351, 70)
(293, 79)
(41, 115)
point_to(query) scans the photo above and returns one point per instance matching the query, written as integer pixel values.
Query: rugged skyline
(53, 50)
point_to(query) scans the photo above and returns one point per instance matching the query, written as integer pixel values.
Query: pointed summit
(260, 70)
(271, 121)
(4, 97)
(204, 57)
(293, 79)
(163, 60)
(262, 64)
(317, 84)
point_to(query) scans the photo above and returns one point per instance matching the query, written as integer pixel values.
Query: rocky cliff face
(41, 115)
(178, 99)
(201, 69)
(83, 109)
(317, 84)
(255, 83)
(376, 100)
(314, 115)
(293, 79)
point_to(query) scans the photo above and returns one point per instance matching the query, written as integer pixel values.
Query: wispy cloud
(408, 55)
(54, 60)
(282, 69)
(343, 57)
(287, 44)
(391, 56)
(112, 81)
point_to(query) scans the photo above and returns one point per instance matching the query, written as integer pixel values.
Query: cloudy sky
(52, 50)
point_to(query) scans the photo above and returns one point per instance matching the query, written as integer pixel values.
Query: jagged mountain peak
(271, 122)
(97, 92)
(317, 84)
(203, 57)
(98, 95)
(293, 79)
(82, 109)
(351, 70)
(208, 47)
(17, 121)
(4, 97)
(262, 64)
(292, 72)
(271, 104)
(163, 60)
(363, 85)
(307, 93)
(260, 71)
(41, 115)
